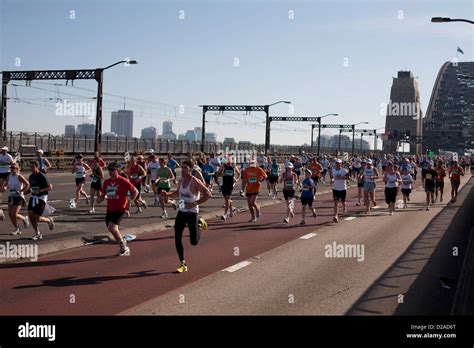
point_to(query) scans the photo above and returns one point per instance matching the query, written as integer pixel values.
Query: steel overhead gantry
(77, 74)
(222, 108)
(368, 132)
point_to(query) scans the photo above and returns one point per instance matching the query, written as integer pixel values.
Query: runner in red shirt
(136, 172)
(455, 173)
(116, 188)
(98, 159)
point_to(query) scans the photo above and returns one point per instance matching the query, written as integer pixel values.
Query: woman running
(97, 177)
(290, 182)
(17, 185)
(230, 174)
(136, 172)
(307, 196)
(407, 186)
(392, 179)
(80, 169)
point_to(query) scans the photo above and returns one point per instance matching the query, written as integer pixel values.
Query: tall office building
(403, 120)
(149, 133)
(168, 131)
(122, 123)
(69, 130)
(86, 129)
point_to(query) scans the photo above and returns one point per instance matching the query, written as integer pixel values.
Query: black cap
(112, 166)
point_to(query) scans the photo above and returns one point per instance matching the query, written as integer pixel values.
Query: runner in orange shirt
(252, 184)
(440, 181)
(316, 170)
(455, 173)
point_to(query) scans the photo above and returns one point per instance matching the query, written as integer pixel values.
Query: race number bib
(229, 172)
(181, 204)
(79, 175)
(111, 192)
(429, 176)
(289, 183)
(95, 179)
(12, 192)
(253, 180)
(35, 190)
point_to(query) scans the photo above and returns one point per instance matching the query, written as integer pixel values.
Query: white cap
(151, 151)
(289, 165)
(40, 151)
(369, 161)
(4, 148)
(338, 161)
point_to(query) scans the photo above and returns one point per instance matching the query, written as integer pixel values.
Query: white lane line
(237, 266)
(350, 218)
(308, 236)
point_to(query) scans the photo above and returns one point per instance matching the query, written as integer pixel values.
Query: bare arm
(205, 193)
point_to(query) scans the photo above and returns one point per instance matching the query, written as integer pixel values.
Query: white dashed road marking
(350, 218)
(237, 266)
(308, 236)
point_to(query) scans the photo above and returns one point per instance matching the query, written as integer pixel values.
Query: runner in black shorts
(96, 183)
(230, 174)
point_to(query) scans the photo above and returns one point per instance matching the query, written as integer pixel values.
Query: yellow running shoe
(202, 224)
(182, 268)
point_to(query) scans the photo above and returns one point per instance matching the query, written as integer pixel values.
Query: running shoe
(286, 220)
(253, 219)
(92, 211)
(241, 193)
(125, 251)
(257, 213)
(2, 215)
(17, 232)
(51, 223)
(335, 219)
(233, 211)
(314, 213)
(37, 236)
(202, 224)
(302, 222)
(224, 217)
(26, 222)
(139, 210)
(427, 208)
(144, 204)
(182, 268)
(164, 215)
(358, 203)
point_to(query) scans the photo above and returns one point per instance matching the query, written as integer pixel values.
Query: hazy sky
(334, 56)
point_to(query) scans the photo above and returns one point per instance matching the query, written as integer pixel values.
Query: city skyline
(319, 65)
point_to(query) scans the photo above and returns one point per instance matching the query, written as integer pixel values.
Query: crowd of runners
(299, 178)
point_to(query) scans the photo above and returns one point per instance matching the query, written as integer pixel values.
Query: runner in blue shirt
(172, 164)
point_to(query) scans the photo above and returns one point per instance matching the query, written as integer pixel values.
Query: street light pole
(353, 136)
(267, 123)
(319, 136)
(339, 147)
(446, 20)
(99, 77)
(312, 131)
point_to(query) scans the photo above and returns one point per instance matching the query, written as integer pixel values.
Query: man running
(339, 178)
(370, 174)
(97, 177)
(251, 184)
(360, 182)
(316, 170)
(80, 169)
(230, 174)
(44, 164)
(39, 187)
(5, 161)
(153, 166)
(430, 184)
(424, 164)
(215, 164)
(440, 181)
(274, 171)
(290, 182)
(208, 173)
(324, 166)
(17, 185)
(307, 195)
(116, 188)
(173, 165)
(165, 176)
(455, 173)
(189, 193)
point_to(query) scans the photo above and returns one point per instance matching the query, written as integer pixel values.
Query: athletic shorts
(455, 183)
(356, 170)
(325, 171)
(80, 181)
(406, 191)
(288, 194)
(227, 190)
(249, 194)
(114, 217)
(307, 201)
(360, 184)
(390, 194)
(369, 186)
(315, 179)
(423, 173)
(96, 185)
(16, 200)
(440, 185)
(429, 188)
(339, 195)
(4, 175)
(174, 172)
(166, 189)
(138, 185)
(297, 172)
(38, 208)
(273, 179)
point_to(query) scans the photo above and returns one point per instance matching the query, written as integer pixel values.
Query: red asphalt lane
(103, 284)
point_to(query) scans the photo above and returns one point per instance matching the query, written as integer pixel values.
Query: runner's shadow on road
(71, 281)
(54, 262)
